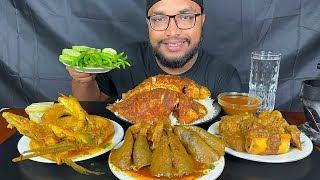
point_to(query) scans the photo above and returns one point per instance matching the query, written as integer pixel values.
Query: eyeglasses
(183, 21)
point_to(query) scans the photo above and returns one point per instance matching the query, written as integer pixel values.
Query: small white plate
(294, 154)
(213, 174)
(92, 70)
(23, 145)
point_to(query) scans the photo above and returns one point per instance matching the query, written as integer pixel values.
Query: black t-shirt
(207, 71)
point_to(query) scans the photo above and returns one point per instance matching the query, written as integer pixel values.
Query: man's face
(175, 47)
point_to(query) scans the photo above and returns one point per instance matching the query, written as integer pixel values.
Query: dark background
(33, 33)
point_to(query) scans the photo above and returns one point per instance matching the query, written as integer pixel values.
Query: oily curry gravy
(235, 104)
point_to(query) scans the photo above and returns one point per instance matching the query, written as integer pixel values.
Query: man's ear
(203, 17)
(147, 21)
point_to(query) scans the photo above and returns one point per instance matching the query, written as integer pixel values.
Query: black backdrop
(33, 33)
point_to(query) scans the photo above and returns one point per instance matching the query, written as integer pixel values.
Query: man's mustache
(175, 39)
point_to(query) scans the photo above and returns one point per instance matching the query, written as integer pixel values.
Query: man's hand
(80, 77)
(85, 87)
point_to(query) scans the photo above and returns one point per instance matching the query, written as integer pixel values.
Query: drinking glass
(264, 73)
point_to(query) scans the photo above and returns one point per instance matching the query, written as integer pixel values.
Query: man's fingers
(79, 76)
(75, 74)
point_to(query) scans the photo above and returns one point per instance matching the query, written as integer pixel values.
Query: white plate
(2, 109)
(92, 70)
(215, 108)
(294, 154)
(213, 174)
(23, 145)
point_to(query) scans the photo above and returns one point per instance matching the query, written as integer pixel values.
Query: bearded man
(175, 34)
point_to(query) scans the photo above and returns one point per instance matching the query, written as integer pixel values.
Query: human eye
(186, 16)
(159, 18)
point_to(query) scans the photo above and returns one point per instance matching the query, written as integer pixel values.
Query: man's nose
(172, 29)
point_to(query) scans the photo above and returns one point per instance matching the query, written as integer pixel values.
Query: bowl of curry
(238, 103)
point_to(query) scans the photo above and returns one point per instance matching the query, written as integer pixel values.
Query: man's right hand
(80, 77)
(85, 86)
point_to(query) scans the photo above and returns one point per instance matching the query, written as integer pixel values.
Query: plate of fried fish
(24, 146)
(180, 99)
(65, 134)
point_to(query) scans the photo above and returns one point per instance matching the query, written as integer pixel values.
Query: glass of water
(264, 73)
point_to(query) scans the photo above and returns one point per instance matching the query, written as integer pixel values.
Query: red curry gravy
(77, 153)
(145, 174)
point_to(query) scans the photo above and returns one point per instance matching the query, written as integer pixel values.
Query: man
(175, 34)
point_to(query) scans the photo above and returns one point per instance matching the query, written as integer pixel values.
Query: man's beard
(175, 63)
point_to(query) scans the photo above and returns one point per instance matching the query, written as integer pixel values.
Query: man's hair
(150, 3)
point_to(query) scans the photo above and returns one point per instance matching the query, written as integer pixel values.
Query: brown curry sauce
(234, 104)
(77, 153)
